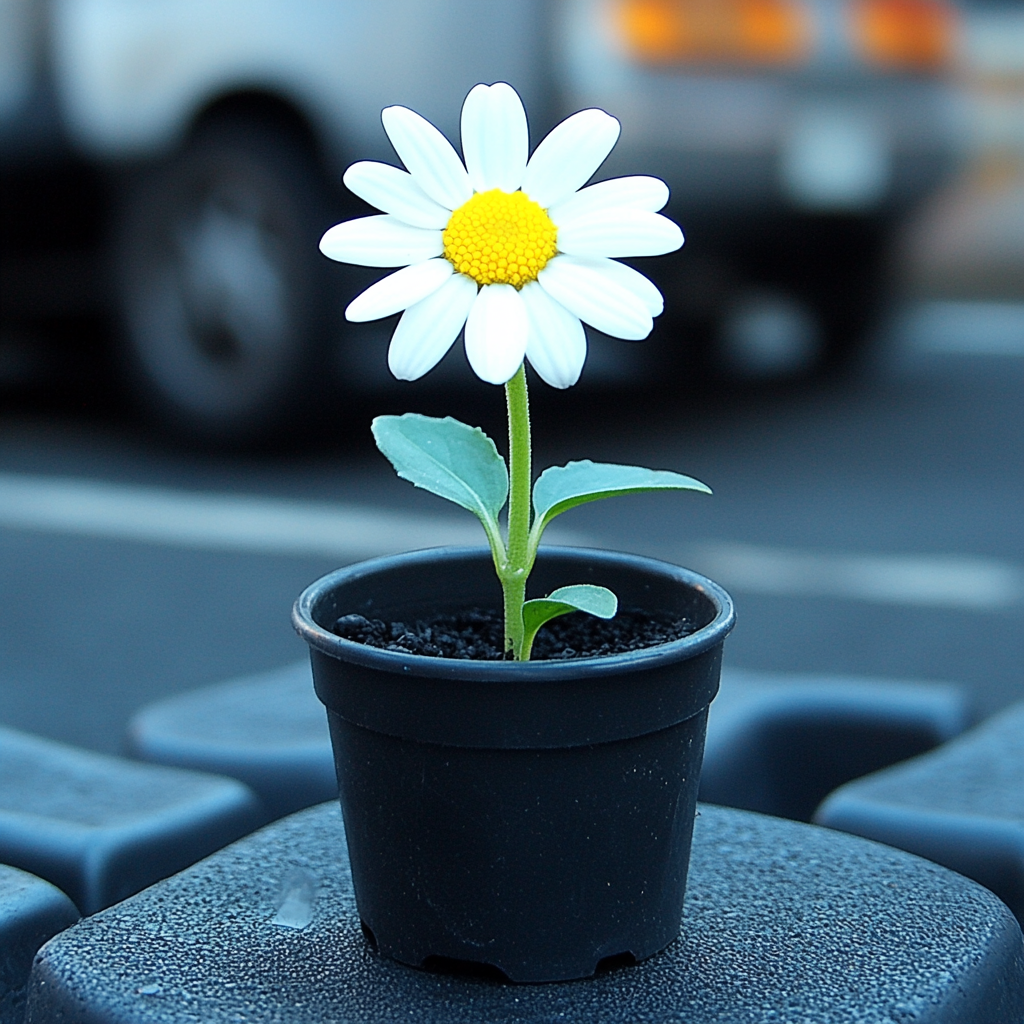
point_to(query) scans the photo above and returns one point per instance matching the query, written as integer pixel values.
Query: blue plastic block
(784, 923)
(267, 730)
(102, 828)
(961, 805)
(779, 743)
(776, 743)
(31, 911)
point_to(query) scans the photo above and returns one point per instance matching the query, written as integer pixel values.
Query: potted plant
(518, 792)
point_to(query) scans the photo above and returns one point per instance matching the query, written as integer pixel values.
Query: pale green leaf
(563, 487)
(581, 597)
(447, 458)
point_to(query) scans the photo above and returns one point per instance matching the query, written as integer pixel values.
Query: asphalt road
(872, 529)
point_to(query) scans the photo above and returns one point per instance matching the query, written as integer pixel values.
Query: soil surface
(478, 634)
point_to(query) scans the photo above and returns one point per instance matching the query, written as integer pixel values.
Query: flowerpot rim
(424, 666)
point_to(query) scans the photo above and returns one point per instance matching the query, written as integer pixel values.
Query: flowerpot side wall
(539, 862)
(535, 817)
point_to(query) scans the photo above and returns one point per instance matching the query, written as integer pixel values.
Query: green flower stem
(518, 558)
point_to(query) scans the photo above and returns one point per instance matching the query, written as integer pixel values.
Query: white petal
(496, 333)
(569, 155)
(643, 288)
(619, 232)
(429, 156)
(495, 139)
(380, 241)
(394, 191)
(595, 298)
(400, 290)
(428, 329)
(637, 192)
(557, 344)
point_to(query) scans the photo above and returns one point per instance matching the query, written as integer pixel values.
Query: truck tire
(797, 298)
(222, 294)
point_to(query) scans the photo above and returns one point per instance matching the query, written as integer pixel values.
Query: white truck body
(816, 158)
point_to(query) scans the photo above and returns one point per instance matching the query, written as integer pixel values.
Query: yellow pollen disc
(500, 238)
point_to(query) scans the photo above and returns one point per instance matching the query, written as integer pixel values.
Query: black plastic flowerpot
(534, 817)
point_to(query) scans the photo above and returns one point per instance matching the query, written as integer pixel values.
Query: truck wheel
(802, 301)
(768, 335)
(222, 291)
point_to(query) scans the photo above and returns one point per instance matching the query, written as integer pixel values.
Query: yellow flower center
(500, 238)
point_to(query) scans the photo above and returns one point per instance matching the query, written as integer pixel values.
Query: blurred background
(184, 438)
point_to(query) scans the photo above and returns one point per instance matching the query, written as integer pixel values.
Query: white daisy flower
(513, 249)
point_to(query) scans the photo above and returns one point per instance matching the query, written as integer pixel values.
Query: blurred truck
(794, 135)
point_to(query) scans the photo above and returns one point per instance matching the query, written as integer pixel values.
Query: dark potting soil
(478, 634)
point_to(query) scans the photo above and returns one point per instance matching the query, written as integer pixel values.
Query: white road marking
(964, 328)
(225, 522)
(230, 522)
(940, 581)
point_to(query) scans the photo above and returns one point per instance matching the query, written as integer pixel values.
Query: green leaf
(447, 458)
(563, 487)
(581, 597)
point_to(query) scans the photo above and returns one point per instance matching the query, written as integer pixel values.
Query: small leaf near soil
(581, 597)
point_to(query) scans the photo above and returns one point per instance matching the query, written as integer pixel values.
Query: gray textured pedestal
(785, 923)
(31, 911)
(961, 805)
(102, 827)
